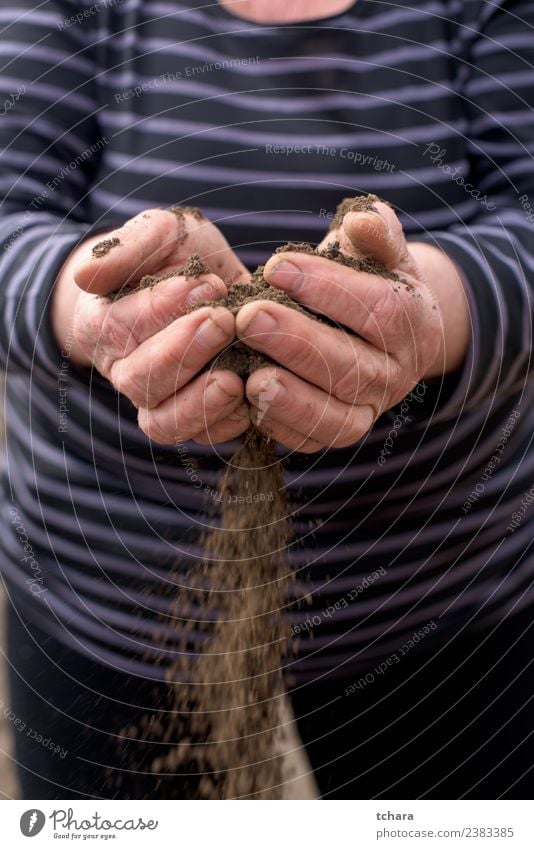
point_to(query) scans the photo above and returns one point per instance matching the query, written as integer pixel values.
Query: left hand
(333, 383)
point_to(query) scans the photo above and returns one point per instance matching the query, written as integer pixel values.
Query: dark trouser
(458, 723)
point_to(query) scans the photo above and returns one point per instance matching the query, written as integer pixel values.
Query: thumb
(208, 241)
(141, 246)
(378, 235)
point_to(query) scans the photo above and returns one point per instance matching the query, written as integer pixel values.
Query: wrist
(444, 280)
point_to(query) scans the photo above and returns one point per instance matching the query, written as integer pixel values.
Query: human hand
(334, 383)
(146, 343)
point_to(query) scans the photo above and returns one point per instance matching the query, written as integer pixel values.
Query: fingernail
(202, 292)
(368, 223)
(286, 274)
(216, 396)
(263, 322)
(210, 335)
(271, 390)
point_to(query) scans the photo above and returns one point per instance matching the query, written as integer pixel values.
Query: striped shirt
(422, 529)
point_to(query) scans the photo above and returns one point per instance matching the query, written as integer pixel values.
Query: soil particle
(104, 247)
(238, 357)
(241, 359)
(181, 212)
(194, 267)
(362, 203)
(332, 251)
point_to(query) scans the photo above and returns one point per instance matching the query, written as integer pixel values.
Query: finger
(379, 235)
(331, 359)
(206, 400)
(141, 246)
(232, 427)
(205, 239)
(286, 436)
(283, 397)
(155, 242)
(160, 366)
(376, 233)
(146, 312)
(375, 308)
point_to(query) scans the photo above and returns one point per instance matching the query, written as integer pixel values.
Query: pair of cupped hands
(329, 384)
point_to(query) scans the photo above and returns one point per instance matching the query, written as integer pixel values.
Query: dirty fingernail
(287, 275)
(202, 292)
(210, 335)
(263, 322)
(215, 395)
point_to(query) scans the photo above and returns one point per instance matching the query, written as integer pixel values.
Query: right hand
(146, 344)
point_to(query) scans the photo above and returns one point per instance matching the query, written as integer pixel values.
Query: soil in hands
(228, 697)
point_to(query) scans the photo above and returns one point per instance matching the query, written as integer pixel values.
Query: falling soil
(104, 247)
(231, 694)
(224, 721)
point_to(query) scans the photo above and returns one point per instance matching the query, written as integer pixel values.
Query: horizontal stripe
(112, 518)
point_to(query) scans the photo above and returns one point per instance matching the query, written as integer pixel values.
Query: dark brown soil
(363, 203)
(242, 359)
(104, 247)
(239, 357)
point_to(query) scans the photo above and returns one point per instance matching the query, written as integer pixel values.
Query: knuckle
(310, 447)
(347, 440)
(345, 387)
(169, 361)
(126, 381)
(90, 330)
(116, 336)
(398, 381)
(85, 332)
(297, 440)
(385, 315)
(150, 423)
(303, 353)
(357, 381)
(354, 428)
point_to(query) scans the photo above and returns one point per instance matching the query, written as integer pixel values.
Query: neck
(285, 11)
